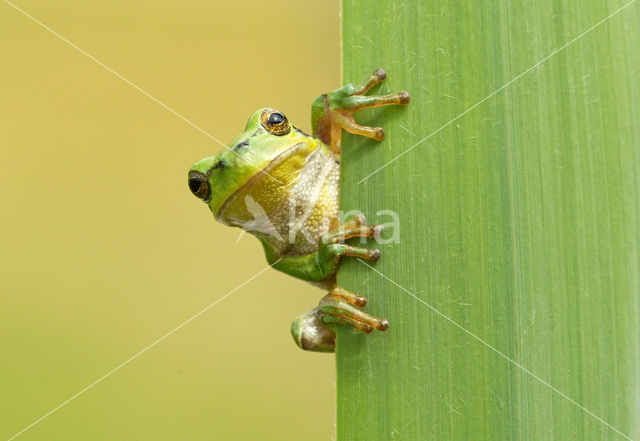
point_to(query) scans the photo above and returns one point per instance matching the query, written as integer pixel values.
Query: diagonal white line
(126, 362)
(135, 86)
(500, 353)
(516, 78)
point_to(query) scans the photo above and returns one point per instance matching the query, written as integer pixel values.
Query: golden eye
(275, 122)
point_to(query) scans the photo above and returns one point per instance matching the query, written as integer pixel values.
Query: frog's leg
(333, 112)
(338, 307)
(320, 267)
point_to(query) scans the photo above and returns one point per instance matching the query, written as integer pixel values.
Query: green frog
(281, 185)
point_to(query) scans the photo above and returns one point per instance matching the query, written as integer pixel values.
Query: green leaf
(513, 290)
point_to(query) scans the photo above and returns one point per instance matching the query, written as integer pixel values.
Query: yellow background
(104, 249)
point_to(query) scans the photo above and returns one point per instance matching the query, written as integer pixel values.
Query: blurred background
(104, 249)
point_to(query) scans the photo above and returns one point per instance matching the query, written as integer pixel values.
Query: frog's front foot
(334, 111)
(339, 307)
(332, 243)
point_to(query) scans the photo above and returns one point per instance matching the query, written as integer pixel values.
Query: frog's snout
(199, 186)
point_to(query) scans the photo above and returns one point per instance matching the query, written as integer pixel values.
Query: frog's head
(265, 157)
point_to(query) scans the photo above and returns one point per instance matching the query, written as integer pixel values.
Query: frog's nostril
(199, 186)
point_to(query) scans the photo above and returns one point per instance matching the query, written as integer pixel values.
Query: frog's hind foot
(339, 307)
(342, 307)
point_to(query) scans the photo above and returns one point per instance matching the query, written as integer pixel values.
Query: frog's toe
(363, 102)
(378, 76)
(353, 298)
(351, 126)
(376, 230)
(354, 227)
(374, 254)
(356, 221)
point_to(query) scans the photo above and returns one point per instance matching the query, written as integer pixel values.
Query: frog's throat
(263, 174)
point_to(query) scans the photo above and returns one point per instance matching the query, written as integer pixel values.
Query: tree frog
(281, 185)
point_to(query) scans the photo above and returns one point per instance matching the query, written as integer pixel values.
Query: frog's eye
(199, 186)
(275, 122)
